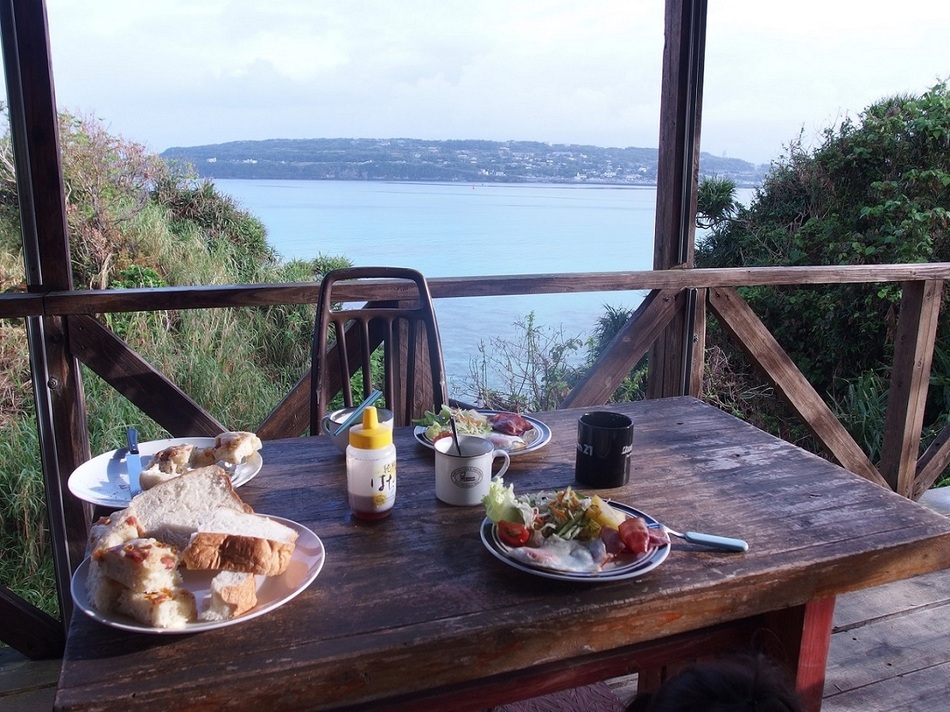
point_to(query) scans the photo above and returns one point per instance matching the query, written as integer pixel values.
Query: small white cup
(464, 479)
(332, 421)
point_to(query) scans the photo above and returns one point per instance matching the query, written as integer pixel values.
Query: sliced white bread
(172, 510)
(236, 541)
(169, 608)
(233, 593)
(154, 476)
(139, 564)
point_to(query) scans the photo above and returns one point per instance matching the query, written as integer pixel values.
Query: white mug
(464, 479)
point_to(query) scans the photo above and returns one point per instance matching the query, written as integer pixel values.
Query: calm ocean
(449, 230)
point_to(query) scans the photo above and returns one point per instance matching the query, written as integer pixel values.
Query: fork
(711, 540)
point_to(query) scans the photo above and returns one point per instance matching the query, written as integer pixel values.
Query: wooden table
(412, 612)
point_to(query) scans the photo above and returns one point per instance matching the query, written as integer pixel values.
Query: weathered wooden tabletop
(413, 612)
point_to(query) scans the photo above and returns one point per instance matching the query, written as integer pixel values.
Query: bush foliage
(875, 191)
(135, 221)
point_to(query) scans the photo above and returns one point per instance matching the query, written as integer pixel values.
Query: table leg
(797, 637)
(813, 655)
(804, 633)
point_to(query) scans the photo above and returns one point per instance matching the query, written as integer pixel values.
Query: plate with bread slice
(104, 480)
(190, 555)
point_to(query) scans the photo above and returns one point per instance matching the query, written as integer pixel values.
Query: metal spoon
(356, 414)
(711, 540)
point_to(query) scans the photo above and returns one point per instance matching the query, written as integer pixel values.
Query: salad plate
(624, 566)
(537, 437)
(272, 591)
(104, 480)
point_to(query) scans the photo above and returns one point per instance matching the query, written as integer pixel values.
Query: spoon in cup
(455, 437)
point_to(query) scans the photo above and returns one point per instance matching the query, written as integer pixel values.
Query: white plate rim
(103, 480)
(308, 551)
(543, 438)
(634, 569)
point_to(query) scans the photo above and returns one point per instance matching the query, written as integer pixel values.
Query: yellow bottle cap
(371, 436)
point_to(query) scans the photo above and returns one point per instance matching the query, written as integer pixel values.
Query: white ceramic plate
(536, 438)
(624, 566)
(272, 591)
(104, 480)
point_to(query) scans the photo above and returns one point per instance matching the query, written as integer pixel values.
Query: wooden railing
(93, 344)
(88, 341)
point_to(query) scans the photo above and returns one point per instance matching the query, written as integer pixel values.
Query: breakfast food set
(188, 516)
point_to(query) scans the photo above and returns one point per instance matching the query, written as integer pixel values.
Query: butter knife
(133, 461)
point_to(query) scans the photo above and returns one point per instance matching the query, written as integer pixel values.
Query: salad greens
(467, 422)
(565, 513)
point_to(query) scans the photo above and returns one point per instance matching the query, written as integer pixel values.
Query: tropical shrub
(875, 191)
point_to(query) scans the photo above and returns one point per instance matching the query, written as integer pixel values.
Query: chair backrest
(344, 340)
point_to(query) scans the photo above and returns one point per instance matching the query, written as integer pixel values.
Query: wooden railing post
(910, 380)
(57, 385)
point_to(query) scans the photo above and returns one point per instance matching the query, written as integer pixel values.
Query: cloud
(185, 73)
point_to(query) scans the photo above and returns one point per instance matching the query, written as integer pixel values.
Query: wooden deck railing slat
(261, 295)
(936, 459)
(765, 352)
(624, 351)
(33, 632)
(910, 380)
(137, 380)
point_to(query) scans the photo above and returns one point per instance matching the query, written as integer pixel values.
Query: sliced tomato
(513, 533)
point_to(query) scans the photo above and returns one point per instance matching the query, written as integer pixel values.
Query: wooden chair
(413, 375)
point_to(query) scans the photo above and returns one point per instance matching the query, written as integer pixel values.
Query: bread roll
(236, 541)
(175, 459)
(236, 447)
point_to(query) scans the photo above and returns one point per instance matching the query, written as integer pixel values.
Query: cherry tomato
(513, 533)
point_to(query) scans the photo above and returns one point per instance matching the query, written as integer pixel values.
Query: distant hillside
(406, 159)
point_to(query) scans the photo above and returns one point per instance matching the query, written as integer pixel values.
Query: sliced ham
(509, 423)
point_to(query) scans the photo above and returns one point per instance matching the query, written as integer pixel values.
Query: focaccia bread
(167, 608)
(139, 564)
(236, 541)
(229, 449)
(114, 529)
(102, 591)
(233, 593)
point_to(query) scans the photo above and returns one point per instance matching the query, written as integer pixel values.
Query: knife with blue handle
(133, 461)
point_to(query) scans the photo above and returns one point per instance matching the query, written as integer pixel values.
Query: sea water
(455, 230)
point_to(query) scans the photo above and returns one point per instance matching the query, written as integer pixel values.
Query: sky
(184, 73)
